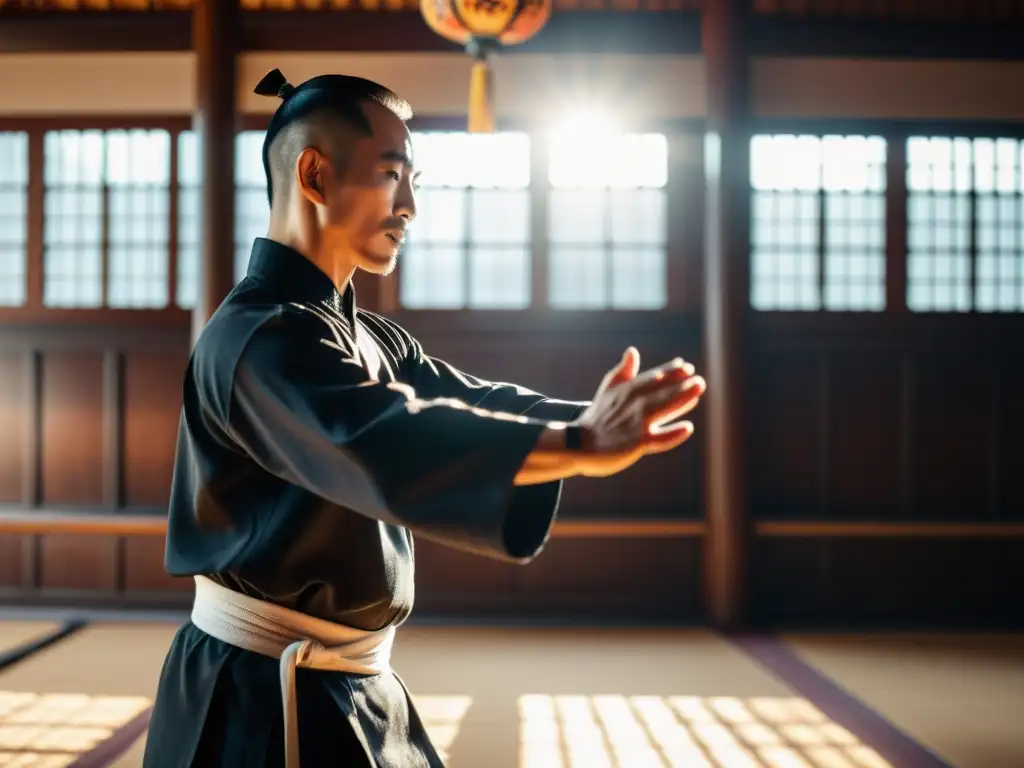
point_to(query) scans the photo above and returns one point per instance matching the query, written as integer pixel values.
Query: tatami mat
(962, 696)
(517, 698)
(598, 698)
(17, 633)
(72, 696)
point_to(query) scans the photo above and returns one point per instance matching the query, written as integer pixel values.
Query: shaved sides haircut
(324, 112)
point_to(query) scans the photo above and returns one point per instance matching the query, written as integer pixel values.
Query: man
(317, 439)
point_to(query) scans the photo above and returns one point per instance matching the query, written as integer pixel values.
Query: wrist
(573, 438)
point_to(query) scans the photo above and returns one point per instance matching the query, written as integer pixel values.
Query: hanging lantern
(484, 27)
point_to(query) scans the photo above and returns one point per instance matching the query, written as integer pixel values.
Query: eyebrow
(396, 156)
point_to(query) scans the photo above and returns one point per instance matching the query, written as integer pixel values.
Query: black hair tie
(274, 83)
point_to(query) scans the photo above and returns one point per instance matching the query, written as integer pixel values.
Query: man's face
(368, 207)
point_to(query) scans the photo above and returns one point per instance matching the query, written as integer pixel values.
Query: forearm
(550, 460)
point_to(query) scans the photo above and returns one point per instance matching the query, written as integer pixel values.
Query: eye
(394, 175)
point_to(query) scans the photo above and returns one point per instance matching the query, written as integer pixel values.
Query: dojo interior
(818, 202)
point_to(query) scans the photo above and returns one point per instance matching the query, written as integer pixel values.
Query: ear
(309, 175)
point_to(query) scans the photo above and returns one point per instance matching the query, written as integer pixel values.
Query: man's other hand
(634, 414)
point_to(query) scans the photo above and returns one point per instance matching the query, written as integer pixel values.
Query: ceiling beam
(650, 32)
(626, 32)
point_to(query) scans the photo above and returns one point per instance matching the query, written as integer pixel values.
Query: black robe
(315, 442)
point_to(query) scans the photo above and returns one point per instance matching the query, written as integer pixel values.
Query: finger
(673, 371)
(671, 403)
(667, 438)
(626, 370)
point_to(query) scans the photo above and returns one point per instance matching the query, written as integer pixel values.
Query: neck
(299, 231)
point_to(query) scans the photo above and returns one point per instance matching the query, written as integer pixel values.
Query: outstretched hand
(634, 414)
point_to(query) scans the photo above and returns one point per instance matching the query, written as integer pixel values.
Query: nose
(405, 203)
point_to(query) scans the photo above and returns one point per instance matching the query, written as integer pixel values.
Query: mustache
(396, 224)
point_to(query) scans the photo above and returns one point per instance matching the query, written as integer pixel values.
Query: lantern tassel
(481, 98)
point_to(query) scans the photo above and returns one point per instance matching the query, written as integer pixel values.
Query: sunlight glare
(53, 730)
(617, 731)
(589, 151)
(783, 757)
(442, 718)
(829, 757)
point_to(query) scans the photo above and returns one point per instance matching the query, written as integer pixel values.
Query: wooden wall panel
(940, 582)
(79, 562)
(441, 571)
(616, 579)
(14, 421)
(953, 439)
(72, 418)
(15, 449)
(784, 407)
(11, 569)
(144, 567)
(864, 444)
(788, 580)
(602, 579)
(1009, 421)
(152, 401)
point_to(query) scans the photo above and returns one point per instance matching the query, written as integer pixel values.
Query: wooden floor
(583, 698)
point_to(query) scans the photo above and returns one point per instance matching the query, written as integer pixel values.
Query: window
(13, 217)
(252, 209)
(607, 221)
(470, 243)
(106, 218)
(965, 219)
(817, 223)
(188, 219)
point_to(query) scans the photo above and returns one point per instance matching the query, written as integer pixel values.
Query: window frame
(821, 197)
(895, 132)
(26, 191)
(33, 311)
(974, 221)
(684, 193)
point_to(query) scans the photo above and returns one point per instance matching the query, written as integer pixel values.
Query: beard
(378, 263)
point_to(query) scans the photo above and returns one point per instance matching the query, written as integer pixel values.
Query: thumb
(627, 369)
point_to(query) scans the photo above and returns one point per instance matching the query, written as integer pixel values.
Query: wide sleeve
(305, 409)
(436, 378)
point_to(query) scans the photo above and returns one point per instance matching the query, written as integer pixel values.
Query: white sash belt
(296, 639)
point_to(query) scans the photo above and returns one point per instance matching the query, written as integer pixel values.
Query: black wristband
(573, 437)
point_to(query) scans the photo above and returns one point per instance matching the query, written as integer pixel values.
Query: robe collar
(295, 278)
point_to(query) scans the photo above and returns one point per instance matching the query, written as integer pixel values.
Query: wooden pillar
(726, 298)
(215, 36)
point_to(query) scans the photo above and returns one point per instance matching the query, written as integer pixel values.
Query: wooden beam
(798, 529)
(48, 522)
(54, 33)
(726, 269)
(596, 32)
(627, 529)
(215, 33)
(650, 32)
(629, 32)
(884, 39)
(45, 522)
